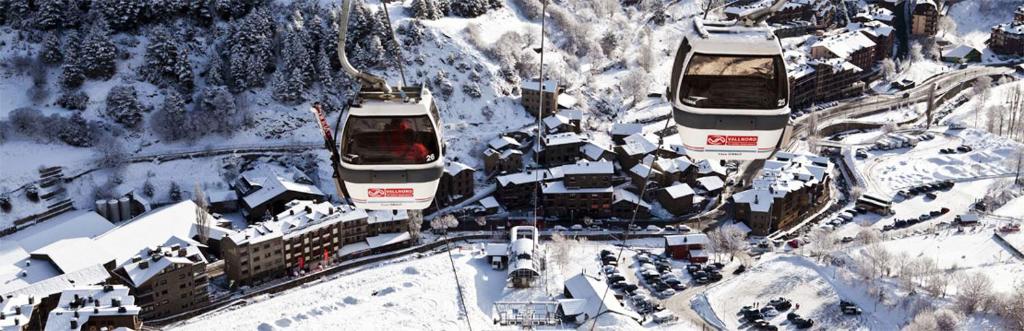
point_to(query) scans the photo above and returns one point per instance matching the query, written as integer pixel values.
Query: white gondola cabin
(729, 92)
(392, 155)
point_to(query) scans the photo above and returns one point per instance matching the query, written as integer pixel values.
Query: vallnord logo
(389, 192)
(721, 140)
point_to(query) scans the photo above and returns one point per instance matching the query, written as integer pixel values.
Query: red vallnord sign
(721, 140)
(389, 192)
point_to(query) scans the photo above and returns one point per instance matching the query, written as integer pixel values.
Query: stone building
(789, 187)
(532, 90)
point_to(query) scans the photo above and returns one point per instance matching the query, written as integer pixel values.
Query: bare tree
(559, 250)
(1011, 307)
(946, 24)
(202, 213)
(635, 85)
(916, 52)
(981, 89)
(444, 222)
(707, 5)
(822, 243)
(972, 291)
(415, 223)
(888, 67)
(947, 319)
(869, 235)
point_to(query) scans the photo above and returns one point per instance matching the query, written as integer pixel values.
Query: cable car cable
(636, 211)
(540, 111)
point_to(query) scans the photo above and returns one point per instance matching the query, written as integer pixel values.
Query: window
(734, 81)
(389, 140)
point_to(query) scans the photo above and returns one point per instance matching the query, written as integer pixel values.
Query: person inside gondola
(403, 143)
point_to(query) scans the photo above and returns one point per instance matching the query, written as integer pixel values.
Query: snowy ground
(974, 26)
(812, 286)
(418, 294)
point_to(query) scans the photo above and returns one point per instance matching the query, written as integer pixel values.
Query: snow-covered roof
(566, 101)
(679, 190)
(1011, 28)
(708, 167)
(641, 169)
(73, 224)
(623, 195)
(571, 114)
(454, 168)
(496, 249)
(70, 255)
(149, 229)
(960, 51)
(572, 307)
(591, 289)
(152, 261)
(843, 45)
(679, 164)
(637, 144)
(356, 247)
(385, 239)
(299, 217)
(589, 168)
(687, 239)
(94, 274)
(554, 121)
(267, 183)
(563, 138)
(509, 152)
(549, 85)
(627, 129)
(91, 301)
(17, 312)
(558, 187)
(218, 196)
(529, 176)
(593, 151)
(747, 9)
(503, 142)
(711, 183)
(489, 202)
(383, 216)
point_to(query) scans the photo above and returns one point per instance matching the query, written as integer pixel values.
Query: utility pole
(931, 105)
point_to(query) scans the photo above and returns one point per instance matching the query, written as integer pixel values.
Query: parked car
(769, 311)
(849, 308)
(739, 270)
(576, 227)
(653, 228)
(664, 317)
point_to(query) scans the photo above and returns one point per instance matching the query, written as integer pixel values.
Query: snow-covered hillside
(475, 64)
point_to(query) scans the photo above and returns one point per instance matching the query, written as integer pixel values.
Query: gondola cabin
(392, 155)
(729, 92)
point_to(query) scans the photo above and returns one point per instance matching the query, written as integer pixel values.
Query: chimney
(116, 302)
(95, 310)
(182, 252)
(108, 288)
(143, 264)
(17, 310)
(31, 300)
(136, 259)
(76, 313)
(122, 310)
(74, 323)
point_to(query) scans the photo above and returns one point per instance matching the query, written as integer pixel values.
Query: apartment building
(96, 307)
(166, 279)
(789, 187)
(304, 236)
(925, 19)
(532, 89)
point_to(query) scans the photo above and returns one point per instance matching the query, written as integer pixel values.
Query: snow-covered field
(811, 287)
(417, 294)
(974, 26)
